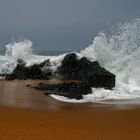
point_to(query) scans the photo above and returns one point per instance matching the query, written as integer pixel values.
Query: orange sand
(24, 124)
(49, 119)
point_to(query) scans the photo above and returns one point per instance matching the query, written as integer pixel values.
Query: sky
(61, 24)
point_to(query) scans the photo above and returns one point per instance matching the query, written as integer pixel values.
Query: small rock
(70, 89)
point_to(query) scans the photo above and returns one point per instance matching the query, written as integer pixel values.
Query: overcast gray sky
(61, 24)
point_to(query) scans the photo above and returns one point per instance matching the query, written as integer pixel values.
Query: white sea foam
(118, 52)
(23, 50)
(121, 94)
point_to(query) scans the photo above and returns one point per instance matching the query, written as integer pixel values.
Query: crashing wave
(118, 52)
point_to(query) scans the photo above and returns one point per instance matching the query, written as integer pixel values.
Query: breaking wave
(23, 50)
(118, 52)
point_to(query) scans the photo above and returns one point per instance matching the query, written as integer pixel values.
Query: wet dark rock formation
(71, 90)
(87, 71)
(71, 68)
(10, 77)
(31, 72)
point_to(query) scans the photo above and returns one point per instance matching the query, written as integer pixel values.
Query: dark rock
(87, 71)
(10, 77)
(31, 72)
(21, 62)
(21, 71)
(68, 89)
(71, 68)
(44, 63)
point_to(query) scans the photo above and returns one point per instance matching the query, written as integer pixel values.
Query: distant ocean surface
(118, 52)
(43, 53)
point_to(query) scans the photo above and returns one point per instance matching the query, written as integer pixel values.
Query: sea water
(118, 52)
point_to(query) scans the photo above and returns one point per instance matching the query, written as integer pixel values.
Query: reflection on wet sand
(17, 94)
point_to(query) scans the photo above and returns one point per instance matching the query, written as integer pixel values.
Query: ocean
(118, 52)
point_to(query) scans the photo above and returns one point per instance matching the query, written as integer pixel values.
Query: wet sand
(22, 124)
(21, 118)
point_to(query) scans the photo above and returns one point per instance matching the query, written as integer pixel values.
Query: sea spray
(23, 50)
(15, 50)
(118, 52)
(19, 50)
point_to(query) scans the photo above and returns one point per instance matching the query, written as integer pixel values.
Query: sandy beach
(70, 70)
(21, 124)
(26, 113)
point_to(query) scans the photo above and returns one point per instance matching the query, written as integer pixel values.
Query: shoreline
(26, 113)
(16, 94)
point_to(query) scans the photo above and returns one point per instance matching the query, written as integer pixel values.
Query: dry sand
(66, 121)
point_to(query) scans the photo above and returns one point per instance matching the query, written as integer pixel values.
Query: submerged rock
(87, 71)
(68, 89)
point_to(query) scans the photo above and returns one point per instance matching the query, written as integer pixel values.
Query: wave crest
(19, 50)
(119, 52)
